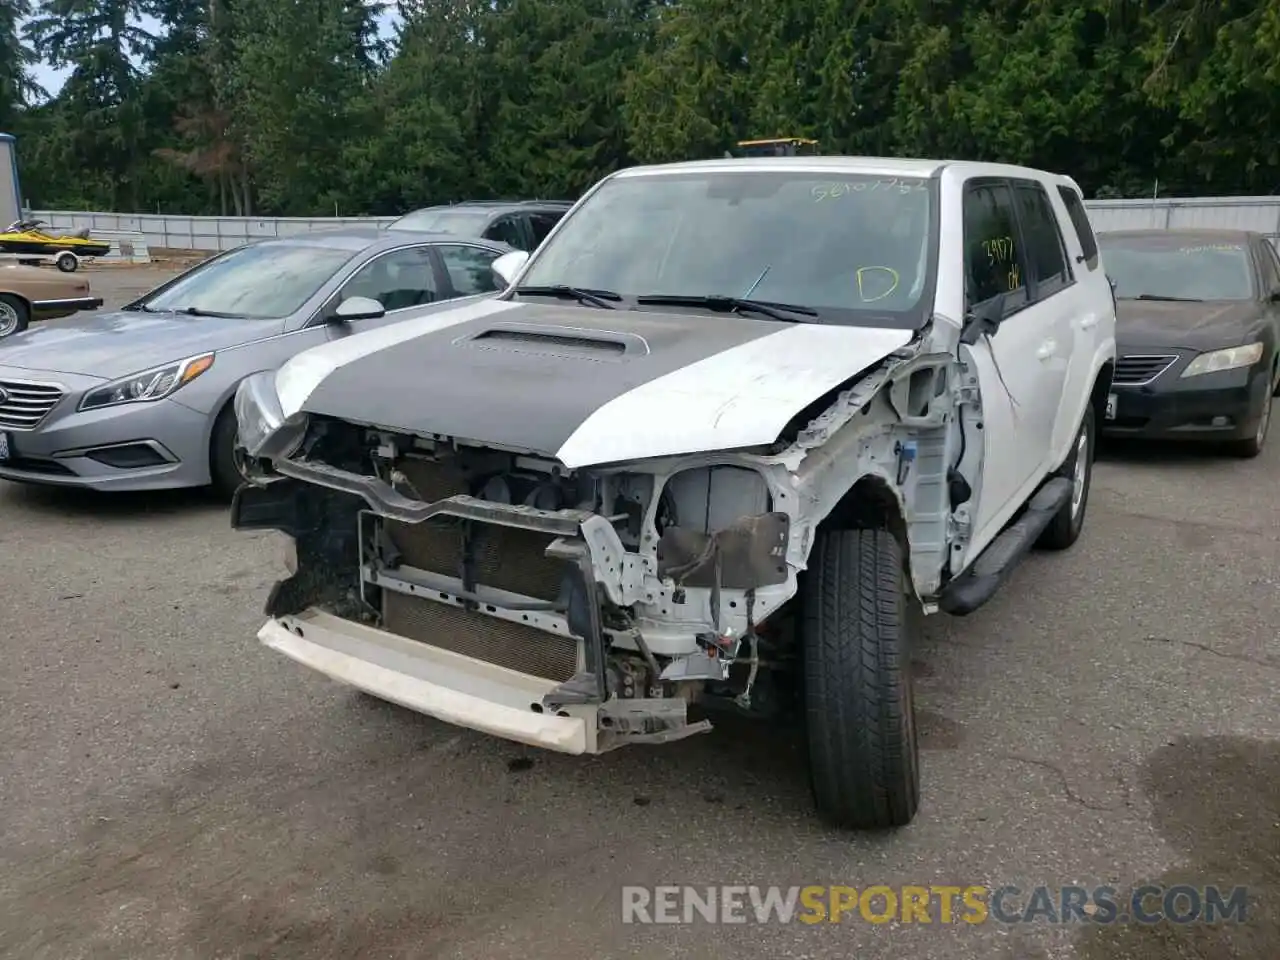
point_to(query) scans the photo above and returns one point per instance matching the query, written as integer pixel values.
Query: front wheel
(225, 473)
(1252, 446)
(67, 262)
(857, 628)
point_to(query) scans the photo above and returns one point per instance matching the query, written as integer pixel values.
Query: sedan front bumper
(133, 446)
(1211, 407)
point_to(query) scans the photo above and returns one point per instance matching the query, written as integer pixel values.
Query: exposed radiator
(504, 557)
(499, 642)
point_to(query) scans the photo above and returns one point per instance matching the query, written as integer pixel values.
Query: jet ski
(26, 237)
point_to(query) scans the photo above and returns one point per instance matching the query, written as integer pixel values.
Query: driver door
(1019, 373)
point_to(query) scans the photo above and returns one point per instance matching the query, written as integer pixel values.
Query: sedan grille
(24, 405)
(1133, 371)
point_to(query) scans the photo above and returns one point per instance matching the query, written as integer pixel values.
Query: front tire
(14, 315)
(1064, 529)
(67, 262)
(857, 629)
(224, 470)
(1252, 446)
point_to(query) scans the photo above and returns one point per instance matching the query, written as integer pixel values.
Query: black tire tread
(223, 476)
(864, 765)
(1062, 533)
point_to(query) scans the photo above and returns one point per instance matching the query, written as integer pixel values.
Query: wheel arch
(872, 503)
(1101, 387)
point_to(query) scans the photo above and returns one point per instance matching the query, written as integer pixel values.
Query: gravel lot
(170, 789)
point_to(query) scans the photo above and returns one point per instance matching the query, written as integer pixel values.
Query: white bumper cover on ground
(457, 689)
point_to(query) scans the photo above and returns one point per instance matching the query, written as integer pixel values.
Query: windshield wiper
(1156, 296)
(595, 298)
(197, 312)
(774, 311)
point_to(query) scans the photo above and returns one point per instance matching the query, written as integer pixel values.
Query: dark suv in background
(518, 223)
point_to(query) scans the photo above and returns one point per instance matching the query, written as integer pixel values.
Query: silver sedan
(142, 398)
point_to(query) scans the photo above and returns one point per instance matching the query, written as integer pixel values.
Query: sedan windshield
(266, 281)
(1177, 268)
(852, 248)
(443, 220)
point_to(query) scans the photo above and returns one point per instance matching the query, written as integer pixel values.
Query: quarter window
(995, 264)
(1080, 220)
(506, 230)
(541, 223)
(470, 269)
(1046, 254)
(397, 280)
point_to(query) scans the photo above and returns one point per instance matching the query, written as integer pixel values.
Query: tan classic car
(33, 293)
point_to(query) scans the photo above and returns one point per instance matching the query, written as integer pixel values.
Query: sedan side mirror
(508, 265)
(1274, 296)
(358, 308)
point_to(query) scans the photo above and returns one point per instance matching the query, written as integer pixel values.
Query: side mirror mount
(358, 308)
(984, 319)
(507, 266)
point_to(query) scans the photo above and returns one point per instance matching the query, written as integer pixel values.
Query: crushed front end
(576, 611)
(573, 609)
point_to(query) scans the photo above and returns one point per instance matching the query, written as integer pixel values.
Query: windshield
(1185, 268)
(856, 249)
(260, 282)
(444, 220)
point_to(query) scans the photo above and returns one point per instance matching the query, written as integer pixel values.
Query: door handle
(1046, 350)
(1090, 320)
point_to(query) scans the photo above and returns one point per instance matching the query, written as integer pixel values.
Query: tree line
(307, 107)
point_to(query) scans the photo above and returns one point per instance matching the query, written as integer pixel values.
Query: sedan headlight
(1228, 359)
(154, 384)
(263, 430)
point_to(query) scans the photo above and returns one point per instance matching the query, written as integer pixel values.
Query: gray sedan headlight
(154, 384)
(262, 428)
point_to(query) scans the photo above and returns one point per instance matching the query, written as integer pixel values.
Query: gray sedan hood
(584, 385)
(111, 345)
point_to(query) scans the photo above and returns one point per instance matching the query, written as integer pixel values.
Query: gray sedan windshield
(835, 242)
(261, 282)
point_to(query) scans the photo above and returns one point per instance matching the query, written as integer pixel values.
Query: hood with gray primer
(111, 345)
(580, 384)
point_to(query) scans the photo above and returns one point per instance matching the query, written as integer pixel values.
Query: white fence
(222, 233)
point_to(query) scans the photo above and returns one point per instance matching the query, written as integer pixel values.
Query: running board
(967, 592)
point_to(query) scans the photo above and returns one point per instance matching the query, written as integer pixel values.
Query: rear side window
(1080, 220)
(1273, 262)
(995, 263)
(1046, 254)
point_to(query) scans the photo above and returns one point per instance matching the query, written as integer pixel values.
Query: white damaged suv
(734, 424)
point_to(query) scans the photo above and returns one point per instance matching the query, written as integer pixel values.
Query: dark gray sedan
(141, 398)
(1198, 334)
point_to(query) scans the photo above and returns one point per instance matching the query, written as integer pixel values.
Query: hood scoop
(555, 340)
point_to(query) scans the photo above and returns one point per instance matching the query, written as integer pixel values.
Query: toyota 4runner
(735, 421)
